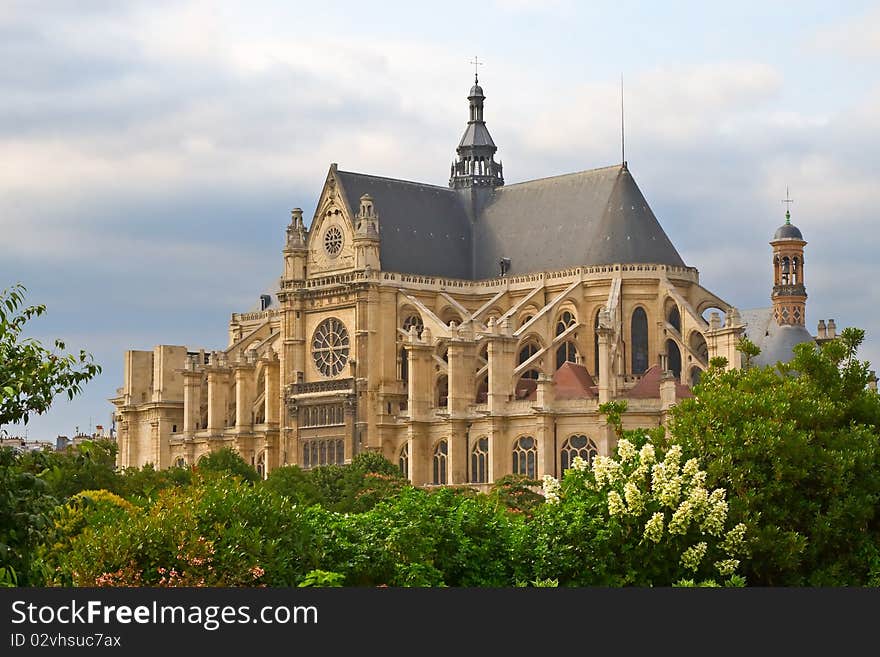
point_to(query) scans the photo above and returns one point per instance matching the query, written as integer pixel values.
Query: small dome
(787, 231)
(476, 90)
(779, 347)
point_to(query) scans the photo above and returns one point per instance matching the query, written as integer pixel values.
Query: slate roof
(424, 228)
(476, 134)
(788, 232)
(588, 218)
(775, 342)
(594, 217)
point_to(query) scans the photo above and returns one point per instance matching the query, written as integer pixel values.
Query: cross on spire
(788, 201)
(476, 62)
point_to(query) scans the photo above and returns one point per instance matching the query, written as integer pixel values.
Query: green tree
(31, 375)
(89, 465)
(227, 461)
(25, 505)
(798, 447)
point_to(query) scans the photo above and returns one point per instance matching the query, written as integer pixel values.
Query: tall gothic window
(673, 355)
(596, 344)
(578, 445)
(441, 452)
(566, 353)
(639, 332)
(480, 461)
(525, 352)
(674, 318)
(403, 460)
(525, 457)
(442, 394)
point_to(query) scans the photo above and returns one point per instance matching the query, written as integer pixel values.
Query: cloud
(151, 152)
(855, 37)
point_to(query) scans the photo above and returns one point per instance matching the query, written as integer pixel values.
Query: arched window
(403, 460)
(404, 365)
(794, 270)
(525, 319)
(674, 317)
(566, 353)
(410, 321)
(413, 320)
(673, 355)
(698, 345)
(566, 321)
(482, 390)
(442, 392)
(261, 465)
(639, 335)
(596, 344)
(525, 457)
(340, 451)
(480, 461)
(527, 351)
(696, 373)
(441, 451)
(180, 462)
(786, 270)
(578, 445)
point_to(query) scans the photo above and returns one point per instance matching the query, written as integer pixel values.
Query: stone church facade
(465, 332)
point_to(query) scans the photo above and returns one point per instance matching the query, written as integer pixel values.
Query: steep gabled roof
(424, 228)
(593, 217)
(648, 386)
(573, 381)
(588, 218)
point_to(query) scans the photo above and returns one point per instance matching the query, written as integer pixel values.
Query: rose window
(330, 347)
(333, 240)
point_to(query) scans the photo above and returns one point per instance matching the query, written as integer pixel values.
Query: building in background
(465, 332)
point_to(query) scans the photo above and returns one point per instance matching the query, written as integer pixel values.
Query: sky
(150, 152)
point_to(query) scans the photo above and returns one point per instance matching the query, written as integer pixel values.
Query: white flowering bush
(639, 517)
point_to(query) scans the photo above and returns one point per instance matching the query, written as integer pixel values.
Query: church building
(465, 332)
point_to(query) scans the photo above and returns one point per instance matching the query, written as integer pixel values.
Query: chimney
(832, 329)
(820, 330)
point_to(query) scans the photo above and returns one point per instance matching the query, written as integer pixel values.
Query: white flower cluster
(579, 464)
(626, 451)
(716, 515)
(615, 504)
(672, 494)
(606, 471)
(551, 489)
(654, 528)
(692, 557)
(727, 567)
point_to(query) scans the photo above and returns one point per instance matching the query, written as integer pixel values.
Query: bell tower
(789, 294)
(476, 165)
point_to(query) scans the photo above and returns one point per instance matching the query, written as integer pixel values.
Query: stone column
(462, 365)
(501, 352)
(421, 380)
(273, 390)
(218, 393)
(457, 458)
(244, 396)
(192, 392)
(500, 462)
(605, 374)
